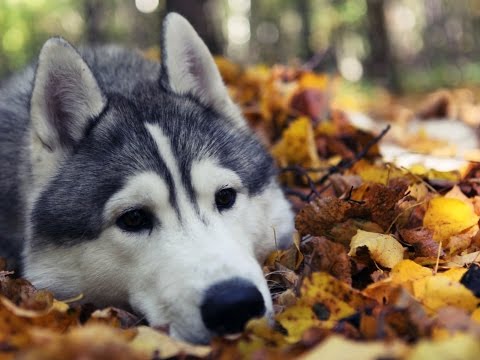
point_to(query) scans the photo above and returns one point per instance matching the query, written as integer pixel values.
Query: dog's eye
(135, 220)
(225, 198)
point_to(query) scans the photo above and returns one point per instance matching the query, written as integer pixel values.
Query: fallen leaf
(327, 256)
(339, 348)
(89, 342)
(436, 292)
(459, 346)
(324, 300)
(384, 249)
(447, 217)
(152, 343)
(380, 174)
(422, 241)
(465, 259)
(322, 214)
(381, 201)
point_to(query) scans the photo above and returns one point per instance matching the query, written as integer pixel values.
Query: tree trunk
(199, 14)
(94, 12)
(303, 8)
(381, 63)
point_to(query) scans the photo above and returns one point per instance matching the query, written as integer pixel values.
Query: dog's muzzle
(228, 305)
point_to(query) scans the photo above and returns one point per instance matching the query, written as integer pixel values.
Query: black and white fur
(88, 136)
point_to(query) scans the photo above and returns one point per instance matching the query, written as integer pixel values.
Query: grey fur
(115, 145)
(86, 137)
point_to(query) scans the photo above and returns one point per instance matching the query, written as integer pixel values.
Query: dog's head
(156, 195)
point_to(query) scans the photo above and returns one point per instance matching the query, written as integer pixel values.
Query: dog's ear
(65, 96)
(189, 68)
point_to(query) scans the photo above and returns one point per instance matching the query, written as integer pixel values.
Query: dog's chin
(201, 337)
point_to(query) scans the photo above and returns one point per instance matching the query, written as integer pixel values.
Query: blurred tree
(94, 11)
(304, 9)
(199, 13)
(380, 64)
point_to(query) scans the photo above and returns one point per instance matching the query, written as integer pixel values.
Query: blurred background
(403, 45)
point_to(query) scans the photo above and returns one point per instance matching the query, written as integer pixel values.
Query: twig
(330, 171)
(358, 156)
(389, 229)
(349, 197)
(435, 271)
(299, 194)
(304, 172)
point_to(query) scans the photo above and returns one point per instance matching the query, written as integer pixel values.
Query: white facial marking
(147, 190)
(208, 177)
(165, 149)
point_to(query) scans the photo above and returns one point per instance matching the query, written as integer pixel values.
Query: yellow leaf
(297, 146)
(407, 271)
(459, 346)
(376, 173)
(339, 348)
(476, 315)
(314, 81)
(454, 274)
(324, 300)
(296, 320)
(448, 217)
(436, 292)
(421, 170)
(150, 341)
(384, 249)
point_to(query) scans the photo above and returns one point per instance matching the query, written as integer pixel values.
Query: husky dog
(139, 184)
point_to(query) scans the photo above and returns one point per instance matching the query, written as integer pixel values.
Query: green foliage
(25, 24)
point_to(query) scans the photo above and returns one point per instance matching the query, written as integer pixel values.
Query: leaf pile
(385, 263)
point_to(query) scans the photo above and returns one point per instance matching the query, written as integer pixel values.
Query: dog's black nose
(228, 305)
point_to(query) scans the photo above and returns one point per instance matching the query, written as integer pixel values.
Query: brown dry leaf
(16, 322)
(462, 241)
(343, 183)
(439, 104)
(22, 293)
(322, 214)
(312, 96)
(113, 317)
(310, 102)
(327, 256)
(343, 232)
(422, 241)
(382, 200)
(89, 342)
(290, 258)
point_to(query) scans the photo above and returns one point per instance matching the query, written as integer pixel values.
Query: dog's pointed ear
(189, 68)
(65, 96)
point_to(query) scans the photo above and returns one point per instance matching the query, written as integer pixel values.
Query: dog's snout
(228, 305)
